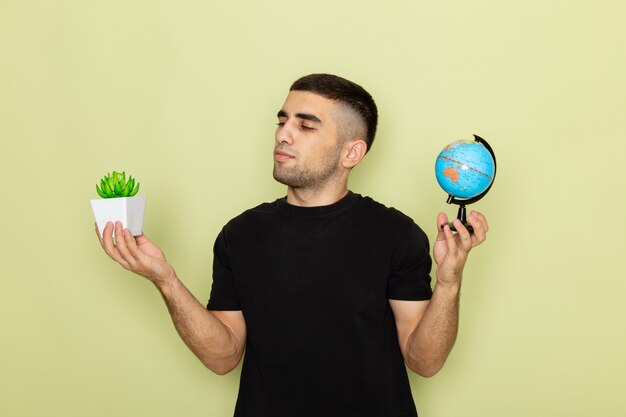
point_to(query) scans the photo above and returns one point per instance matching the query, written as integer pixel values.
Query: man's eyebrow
(305, 116)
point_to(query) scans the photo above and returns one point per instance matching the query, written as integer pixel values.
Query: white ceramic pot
(128, 210)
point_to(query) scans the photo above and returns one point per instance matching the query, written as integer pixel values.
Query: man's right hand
(217, 338)
(136, 254)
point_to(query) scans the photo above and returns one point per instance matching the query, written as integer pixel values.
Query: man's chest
(312, 263)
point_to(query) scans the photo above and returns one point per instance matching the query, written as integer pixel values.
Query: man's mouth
(282, 156)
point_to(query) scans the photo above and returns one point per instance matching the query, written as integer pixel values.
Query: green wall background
(183, 94)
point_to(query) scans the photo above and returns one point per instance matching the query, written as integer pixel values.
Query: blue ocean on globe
(465, 169)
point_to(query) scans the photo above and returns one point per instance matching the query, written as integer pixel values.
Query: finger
(481, 218)
(479, 223)
(450, 240)
(131, 245)
(463, 235)
(109, 246)
(120, 242)
(107, 238)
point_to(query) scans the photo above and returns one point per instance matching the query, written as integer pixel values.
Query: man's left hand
(451, 249)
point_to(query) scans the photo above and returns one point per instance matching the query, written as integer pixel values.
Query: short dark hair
(351, 94)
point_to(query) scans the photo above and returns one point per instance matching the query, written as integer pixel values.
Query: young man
(327, 291)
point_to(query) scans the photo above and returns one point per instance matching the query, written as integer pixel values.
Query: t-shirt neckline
(346, 201)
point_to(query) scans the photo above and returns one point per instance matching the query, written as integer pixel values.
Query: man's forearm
(207, 337)
(432, 340)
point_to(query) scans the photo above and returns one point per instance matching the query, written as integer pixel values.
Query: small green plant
(115, 185)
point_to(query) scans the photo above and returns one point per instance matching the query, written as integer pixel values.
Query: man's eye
(305, 127)
(280, 124)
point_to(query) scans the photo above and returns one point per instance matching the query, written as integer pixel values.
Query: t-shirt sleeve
(223, 294)
(409, 278)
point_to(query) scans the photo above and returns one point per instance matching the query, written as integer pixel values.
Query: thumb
(442, 220)
(141, 239)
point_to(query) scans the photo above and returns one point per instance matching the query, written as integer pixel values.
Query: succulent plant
(115, 185)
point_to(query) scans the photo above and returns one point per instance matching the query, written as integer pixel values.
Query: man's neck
(316, 197)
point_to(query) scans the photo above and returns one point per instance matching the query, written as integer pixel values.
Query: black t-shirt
(313, 284)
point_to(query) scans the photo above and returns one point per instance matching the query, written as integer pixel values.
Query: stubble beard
(308, 178)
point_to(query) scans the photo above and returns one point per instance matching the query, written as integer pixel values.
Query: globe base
(461, 215)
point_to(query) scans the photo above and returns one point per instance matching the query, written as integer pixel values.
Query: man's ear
(354, 151)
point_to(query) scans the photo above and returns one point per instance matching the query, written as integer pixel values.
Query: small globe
(465, 169)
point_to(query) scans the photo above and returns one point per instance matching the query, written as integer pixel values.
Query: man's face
(307, 148)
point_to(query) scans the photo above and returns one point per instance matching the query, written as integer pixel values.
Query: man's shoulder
(251, 216)
(383, 211)
(393, 220)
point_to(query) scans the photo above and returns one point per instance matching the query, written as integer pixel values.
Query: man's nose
(284, 134)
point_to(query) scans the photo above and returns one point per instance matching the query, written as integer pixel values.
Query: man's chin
(278, 177)
(285, 180)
